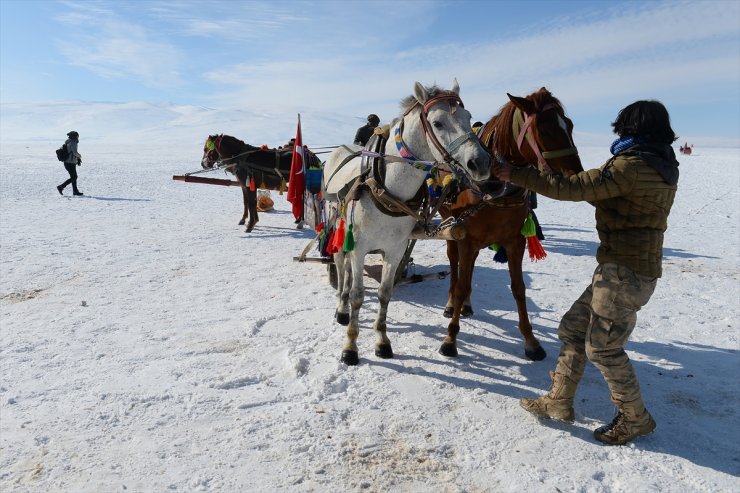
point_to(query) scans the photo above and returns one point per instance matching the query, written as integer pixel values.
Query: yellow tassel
(263, 185)
(447, 180)
(282, 186)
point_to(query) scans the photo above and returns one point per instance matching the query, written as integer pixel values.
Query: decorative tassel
(282, 186)
(349, 240)
(252, 185)
(536, 252)
(529, 231)
(432, 186)
(330, 248)
(263, 185)
(528, 228)
(447, 180)
(501, 256)
(338, 240)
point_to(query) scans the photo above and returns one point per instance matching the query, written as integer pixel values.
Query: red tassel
(331, 249)
(252, 185)
(536, 252)
(320, 227)
(339, 235)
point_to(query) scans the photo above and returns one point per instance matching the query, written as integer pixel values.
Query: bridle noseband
(522, 127)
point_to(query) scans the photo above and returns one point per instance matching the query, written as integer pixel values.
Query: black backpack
(63, 153)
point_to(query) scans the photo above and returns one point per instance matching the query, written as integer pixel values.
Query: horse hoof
(384, 351)
(448, 349)
(342, 318)
(448, 311)
(536, 354)
(467, 311)
(350, 358)
(241, 223)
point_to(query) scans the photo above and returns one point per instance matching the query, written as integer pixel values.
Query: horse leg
(466, 261)
(532, 347)
(343, 287)
(252, 205)
(245, 197)
(453, 257)
(350, 355)
(383, 347)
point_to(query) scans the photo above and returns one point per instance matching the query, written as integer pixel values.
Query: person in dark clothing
(366, 131)
(73, 160)
(632, 193)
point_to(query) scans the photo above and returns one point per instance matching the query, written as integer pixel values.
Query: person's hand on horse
(502, 170)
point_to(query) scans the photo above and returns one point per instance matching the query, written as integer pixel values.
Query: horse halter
(522, 127)
(214, 146)
(453, 99)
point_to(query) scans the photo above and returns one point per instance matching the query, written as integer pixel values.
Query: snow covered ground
(148, 343)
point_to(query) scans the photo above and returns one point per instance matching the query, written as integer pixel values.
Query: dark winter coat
(73, 157)
(363, 134)
(633, 193)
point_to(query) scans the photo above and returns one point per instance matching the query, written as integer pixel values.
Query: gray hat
(73, 135)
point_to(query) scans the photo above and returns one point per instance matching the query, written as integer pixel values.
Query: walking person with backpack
(71, 161)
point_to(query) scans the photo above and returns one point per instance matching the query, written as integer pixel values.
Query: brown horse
(253, 166)
(497, 213)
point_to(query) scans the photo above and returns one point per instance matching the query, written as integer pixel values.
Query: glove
(79, 162)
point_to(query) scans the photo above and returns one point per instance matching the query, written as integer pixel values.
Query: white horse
(434, 128)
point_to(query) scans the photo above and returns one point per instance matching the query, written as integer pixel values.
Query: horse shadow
(578, 248)
(279, 232)
(694, 409)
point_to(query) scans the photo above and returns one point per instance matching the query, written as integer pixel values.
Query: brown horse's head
(211, 152)
(534, 129)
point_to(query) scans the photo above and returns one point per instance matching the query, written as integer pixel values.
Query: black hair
(646, 119)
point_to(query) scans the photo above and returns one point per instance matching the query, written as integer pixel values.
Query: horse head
(445, 131)
(211, 152)
(540, 120)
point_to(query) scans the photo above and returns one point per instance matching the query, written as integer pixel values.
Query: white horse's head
(446, 130)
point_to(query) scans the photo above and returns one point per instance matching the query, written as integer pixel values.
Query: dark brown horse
(253, 166)
(526, 131)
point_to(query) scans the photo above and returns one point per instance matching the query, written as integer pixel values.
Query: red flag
(297, 182)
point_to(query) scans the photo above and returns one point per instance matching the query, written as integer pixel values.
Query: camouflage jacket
(632, 192)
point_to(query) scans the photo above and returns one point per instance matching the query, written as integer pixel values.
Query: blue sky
(357, 57)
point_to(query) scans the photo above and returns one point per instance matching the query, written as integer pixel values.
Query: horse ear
(455, 87)
(523, 104)
(420, 93)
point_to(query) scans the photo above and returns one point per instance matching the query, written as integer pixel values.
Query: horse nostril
(473, 165)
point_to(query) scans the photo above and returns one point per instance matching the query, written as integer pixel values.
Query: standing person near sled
(364, 133)
(73, 160)
(633, 193)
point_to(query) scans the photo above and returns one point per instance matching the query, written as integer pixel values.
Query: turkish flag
(297, 181)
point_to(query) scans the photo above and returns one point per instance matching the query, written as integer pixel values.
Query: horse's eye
(437, 124)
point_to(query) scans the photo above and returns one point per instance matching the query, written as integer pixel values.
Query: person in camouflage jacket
(632, 193)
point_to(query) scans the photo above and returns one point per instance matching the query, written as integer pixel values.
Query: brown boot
(632, 421)
(556, 404)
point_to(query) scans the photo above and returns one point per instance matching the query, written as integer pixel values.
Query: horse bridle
(522, 127)
(214, 145)
(453, 99)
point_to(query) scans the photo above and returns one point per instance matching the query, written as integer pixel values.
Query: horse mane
(504, 143)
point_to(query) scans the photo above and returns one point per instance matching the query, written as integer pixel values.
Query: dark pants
(72, 170)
